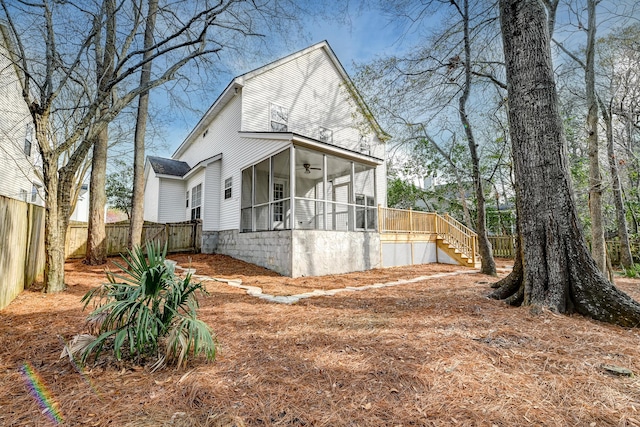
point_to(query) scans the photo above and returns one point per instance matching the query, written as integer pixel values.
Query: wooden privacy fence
(179, 237)
(613, 249)
(504, 247)
(21, 247)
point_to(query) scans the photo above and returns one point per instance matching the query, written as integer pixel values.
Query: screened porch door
(280, 211)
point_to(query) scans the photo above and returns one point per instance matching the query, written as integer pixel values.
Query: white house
(19, 156)
(285, 170)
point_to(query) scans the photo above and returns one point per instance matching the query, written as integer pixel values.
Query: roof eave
(304, 141)
(227, 94)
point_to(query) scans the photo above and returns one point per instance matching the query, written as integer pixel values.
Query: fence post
(436, 220)
(473, 249)
(410, 220)
(379, 218)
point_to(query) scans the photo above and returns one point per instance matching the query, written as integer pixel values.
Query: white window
(365, 146)
(27, 141)
(187, 198)
(278, 207)
(279, 118)
(196, 201)
(34, 193)
(365, 212)
(23, 195)
(325, 135)
(228, 185)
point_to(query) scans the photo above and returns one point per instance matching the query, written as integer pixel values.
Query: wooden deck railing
(444, 226)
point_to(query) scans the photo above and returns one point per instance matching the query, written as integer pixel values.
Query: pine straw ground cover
(430, 353)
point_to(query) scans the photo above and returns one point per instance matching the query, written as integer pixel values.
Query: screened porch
(305, 189)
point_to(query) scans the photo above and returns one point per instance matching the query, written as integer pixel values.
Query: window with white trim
(34, 193)
(187, 199)
(27, 141)
(325, 135)
(228, 185)
(278, 118)
(196, 201)
(365, 145)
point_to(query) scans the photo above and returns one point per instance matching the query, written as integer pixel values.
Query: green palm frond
(143, 303)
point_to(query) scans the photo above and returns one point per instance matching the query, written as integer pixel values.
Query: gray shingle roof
(164, 166)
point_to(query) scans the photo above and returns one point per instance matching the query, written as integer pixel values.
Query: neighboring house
(81, 212)
(19, 156)
(285, 170)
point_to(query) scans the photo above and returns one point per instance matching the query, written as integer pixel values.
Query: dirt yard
(431, 353)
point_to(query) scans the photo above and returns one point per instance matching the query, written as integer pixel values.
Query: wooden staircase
(452, 237)
(457, 240)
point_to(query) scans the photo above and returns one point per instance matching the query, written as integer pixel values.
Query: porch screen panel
(338, 194)
(309, 179)
(262, 182)
(246, 200)
(261, 191)
(364, 189)
(309, 214)
(281, 191)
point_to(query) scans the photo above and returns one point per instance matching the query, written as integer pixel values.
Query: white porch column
(324, 192)
(292, 186)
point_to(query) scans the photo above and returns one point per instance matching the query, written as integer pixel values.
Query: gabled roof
(237, 83)
(171, 167)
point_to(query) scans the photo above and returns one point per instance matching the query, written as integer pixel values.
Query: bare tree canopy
(80, 64)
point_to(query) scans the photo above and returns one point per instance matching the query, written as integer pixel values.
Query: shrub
(631, 272)
(145, 310)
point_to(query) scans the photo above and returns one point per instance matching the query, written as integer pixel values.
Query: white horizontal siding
(171, 200)
(381, 184)
(212, 197)
(17, 170)
(315, 94)
(237, 153)
(220, 134)
(240, 155)
(151, 196)
(194, 180)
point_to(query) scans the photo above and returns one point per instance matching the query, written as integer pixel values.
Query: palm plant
(147, 308)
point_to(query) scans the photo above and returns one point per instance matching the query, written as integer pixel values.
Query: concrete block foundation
(297, 253)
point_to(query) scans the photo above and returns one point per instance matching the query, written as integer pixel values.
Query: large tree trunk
(626, 259)
(488, 265)
(96, 234)
(105, 58)
(598, 246)
(58, 207)
(137, 198)
(558, 271)
(53, 240)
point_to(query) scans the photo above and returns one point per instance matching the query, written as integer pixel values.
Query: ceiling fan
(308, 168)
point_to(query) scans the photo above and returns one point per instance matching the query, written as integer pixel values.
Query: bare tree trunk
(105, 58)
(58, 205)
(96, 237)
(484, 246)
(53, 240)
(463, 201)
(626, 259)
(137, 199)
(598, 245)
(558, 272)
